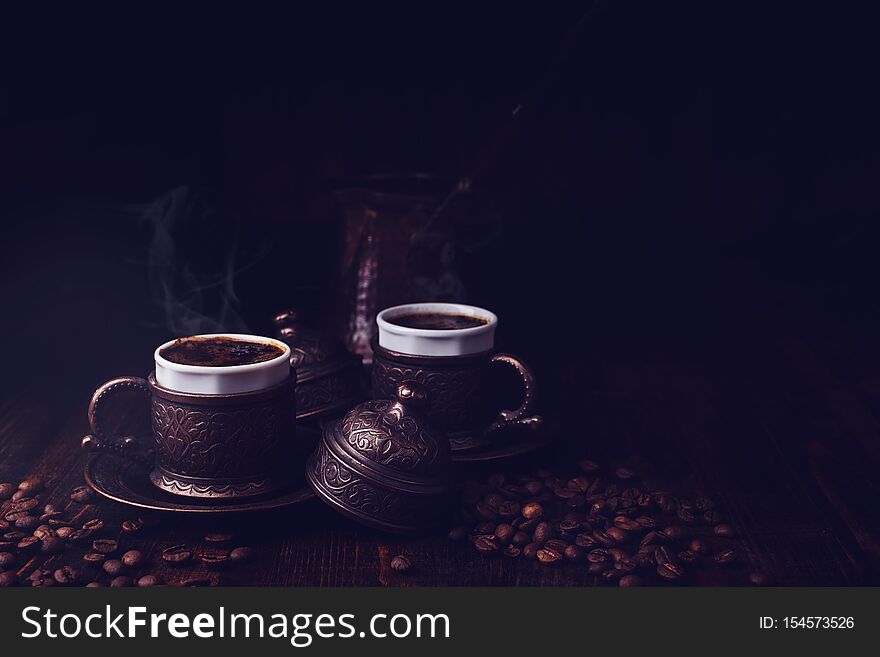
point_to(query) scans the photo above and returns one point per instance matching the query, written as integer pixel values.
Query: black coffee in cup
(219, 352)
(437, 321)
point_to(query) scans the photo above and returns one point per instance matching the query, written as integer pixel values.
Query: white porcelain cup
(226, 379)
(436, 342)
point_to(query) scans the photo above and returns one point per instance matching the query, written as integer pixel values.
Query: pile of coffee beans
(35, 537)
(623, 530)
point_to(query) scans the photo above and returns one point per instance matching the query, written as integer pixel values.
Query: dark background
(681, 166)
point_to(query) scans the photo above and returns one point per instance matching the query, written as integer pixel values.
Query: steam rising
(193, 259)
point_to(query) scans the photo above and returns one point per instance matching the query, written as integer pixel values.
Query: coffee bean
(94, 585)
(486, 543)
(543, 532)
(7, 560)
(81, 494)
(66, 575)
(12, 516)
(627, 524)
(94, 525)
(105, 545)
(646, 522)
(504, 533)
(4, 524)
(630, 580)
(724, 530)
(663, 556)
(618, 534)
(725, 556)
(149, 580)
(214, 559)
(599, 555)
(574, 553)
(113, 567)
(675, 532)
(549, 556)
(177, 554)
(458, 533)
(688, 556)
(133, 558)
(64, 532)
(556, 544)
(218, 538)
(55, 523)
(589, 467)
(8, 578)
(569, 527)
(625, 565)
(94, 557)
(526, 525)
(645, 501)
(698, 546)
(26, 504)
(193, 582)
(44, 530)
(624, 473)
(42, 580)
(29, 544)
(78, 535)
(534, 487)
(530, 550)
(401, 563)
(532, 510)
(51, 545)
(31, 485)
(27, 523)
(512, 551)
(521, 539)
(604, 538)
(242, 554)
(120, 582)
(131, 526)
(580, 484)
(670, 571)
(6, 490)
(23, 495)
(585, 540)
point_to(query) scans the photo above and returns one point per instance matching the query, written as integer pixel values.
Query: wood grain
(785, 446)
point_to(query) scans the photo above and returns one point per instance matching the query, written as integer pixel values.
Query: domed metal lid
(391, 439)
(381, 466)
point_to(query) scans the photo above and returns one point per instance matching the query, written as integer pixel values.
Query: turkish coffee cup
(449, 349)
(222, 415)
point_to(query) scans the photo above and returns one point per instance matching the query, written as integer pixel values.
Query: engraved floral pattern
(453, 393)
(200, 441)
(360, 495)
(384, 432)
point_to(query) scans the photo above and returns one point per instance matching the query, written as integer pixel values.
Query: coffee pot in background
(393, 250)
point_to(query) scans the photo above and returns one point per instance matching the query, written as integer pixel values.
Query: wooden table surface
(782, 432)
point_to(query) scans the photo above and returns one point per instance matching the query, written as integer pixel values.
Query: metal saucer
(127, 482)
(512, 442)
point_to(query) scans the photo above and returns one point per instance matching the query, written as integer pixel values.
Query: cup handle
(522, 415)
(98, 404)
